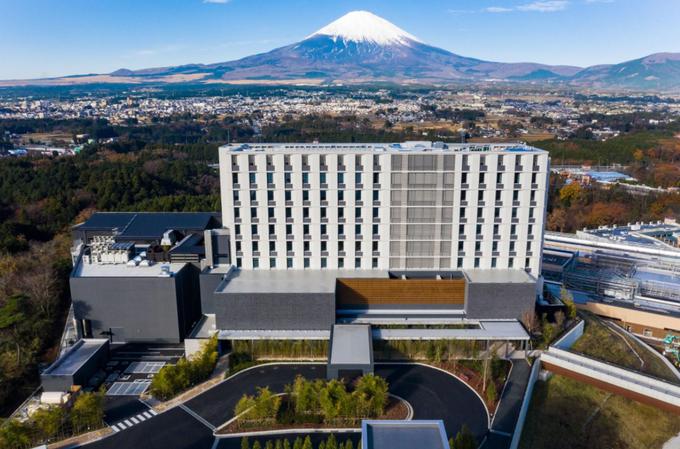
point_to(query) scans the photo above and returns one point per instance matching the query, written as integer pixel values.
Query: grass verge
(567, 414)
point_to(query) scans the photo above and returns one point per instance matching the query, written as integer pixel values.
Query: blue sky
(41, 38)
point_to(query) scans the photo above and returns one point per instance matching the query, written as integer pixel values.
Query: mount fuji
(361, 47)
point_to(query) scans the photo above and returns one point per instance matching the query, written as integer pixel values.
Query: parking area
(128, 388)
(131, 367)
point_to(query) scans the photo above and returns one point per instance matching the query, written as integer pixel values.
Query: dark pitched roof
(148, 225)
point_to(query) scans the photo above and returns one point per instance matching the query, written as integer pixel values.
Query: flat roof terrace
(123, 270)
(290, 281)
(399, 147)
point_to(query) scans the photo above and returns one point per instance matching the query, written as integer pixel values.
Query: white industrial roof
(398, 147)
(123, 270)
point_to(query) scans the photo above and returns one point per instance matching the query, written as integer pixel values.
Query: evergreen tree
(308, 443)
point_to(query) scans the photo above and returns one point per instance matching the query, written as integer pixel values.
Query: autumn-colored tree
(557, 220)
(571, 193)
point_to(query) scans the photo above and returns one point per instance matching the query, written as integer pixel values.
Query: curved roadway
(432, 393)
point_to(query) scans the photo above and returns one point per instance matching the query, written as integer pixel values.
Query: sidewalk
(507, 413)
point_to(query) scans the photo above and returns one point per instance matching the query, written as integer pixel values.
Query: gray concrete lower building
(135, 304)
(76, 366)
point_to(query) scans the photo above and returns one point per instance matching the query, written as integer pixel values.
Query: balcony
(465, 186)
(289, 203)
(271, 185)
(237, 203)
(500, 168)
(287, 167)
(482, 186)
(466, 167)
(534, 186)
(342, 167)
(536, 168)
(288, 185)
(483, 168)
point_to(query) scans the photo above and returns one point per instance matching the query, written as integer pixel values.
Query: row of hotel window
(396, 215)
(413, 197)
(412, 248)
(414, 162)
(448, 179)
(374, 263)
(425, 231)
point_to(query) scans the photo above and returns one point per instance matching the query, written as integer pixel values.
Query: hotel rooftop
(408, 147)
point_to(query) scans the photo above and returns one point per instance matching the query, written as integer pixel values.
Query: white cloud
(219, 2)
(545, 6)
(497, 9)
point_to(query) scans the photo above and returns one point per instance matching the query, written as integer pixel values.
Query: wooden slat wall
(366, 291)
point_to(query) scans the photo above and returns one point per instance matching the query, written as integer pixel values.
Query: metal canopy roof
(351, 344)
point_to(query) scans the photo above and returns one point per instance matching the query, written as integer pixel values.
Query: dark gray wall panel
(276, 311)
(136, 308)
(499, 300)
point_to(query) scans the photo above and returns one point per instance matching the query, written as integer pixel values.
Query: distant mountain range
(361, 47)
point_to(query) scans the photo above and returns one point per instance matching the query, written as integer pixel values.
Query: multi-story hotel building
(409, 206)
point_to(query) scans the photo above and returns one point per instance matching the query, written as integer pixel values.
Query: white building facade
(408, 206)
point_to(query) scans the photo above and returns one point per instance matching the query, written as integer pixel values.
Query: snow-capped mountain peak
(365, 27)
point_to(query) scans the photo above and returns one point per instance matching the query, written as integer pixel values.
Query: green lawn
(566, 414)
(601, 342)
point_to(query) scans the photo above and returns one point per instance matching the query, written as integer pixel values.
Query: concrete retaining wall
(569, 338)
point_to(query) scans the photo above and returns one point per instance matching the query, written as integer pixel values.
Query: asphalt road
(217, 404)
(174, 429)
(432, 393)
(117, 408)
(437, 395)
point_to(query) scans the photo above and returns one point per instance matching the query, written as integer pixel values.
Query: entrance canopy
(351, 349)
